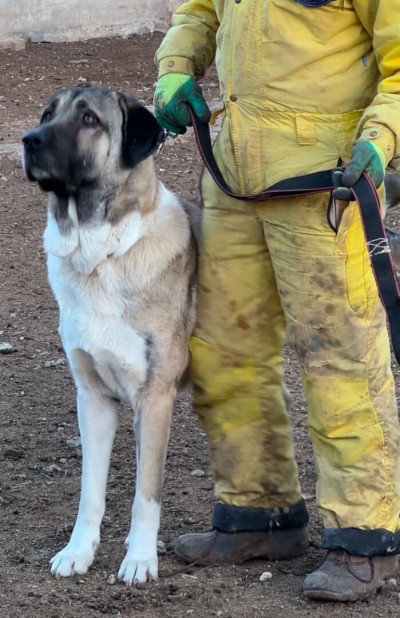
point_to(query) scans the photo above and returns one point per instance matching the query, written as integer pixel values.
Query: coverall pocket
(350, 246)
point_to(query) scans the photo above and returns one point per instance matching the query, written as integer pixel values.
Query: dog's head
(88, 136)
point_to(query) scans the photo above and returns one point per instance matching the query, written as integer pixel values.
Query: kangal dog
(121, 257)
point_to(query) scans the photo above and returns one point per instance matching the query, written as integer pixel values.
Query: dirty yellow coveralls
(298, 84)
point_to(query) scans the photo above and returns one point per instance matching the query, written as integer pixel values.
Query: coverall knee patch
(346, 449)
(343, 421)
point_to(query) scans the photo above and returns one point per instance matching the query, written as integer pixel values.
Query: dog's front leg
(152, 427)
(97, 416)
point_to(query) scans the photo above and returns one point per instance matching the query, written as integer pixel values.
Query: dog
(121, 259)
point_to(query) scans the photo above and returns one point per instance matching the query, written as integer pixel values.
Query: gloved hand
(366, 157)
(174, 91)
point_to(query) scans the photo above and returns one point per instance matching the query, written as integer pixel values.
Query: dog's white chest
(92, 319)
(88, 246)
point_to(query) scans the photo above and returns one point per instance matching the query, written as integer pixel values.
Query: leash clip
(162, 142)
(161, 145)
(171, 134)
(159, 149)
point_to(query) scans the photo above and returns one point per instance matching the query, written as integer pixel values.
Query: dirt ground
(39, 460)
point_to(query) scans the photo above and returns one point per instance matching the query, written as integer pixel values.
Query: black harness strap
(364, 193)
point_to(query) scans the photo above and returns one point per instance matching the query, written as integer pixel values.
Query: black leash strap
(365, 195)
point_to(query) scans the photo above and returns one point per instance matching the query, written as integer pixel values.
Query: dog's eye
(90, 119)
(46, 116)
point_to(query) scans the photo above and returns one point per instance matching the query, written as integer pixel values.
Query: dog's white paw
(73, 559)
(138, 571)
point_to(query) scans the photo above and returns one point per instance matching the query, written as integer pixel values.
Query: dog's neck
(95, 223)
(138, 193)
(97, 203)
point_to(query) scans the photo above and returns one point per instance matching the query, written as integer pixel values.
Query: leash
(363, 192)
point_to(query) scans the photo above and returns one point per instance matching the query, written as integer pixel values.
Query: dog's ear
(141, 133)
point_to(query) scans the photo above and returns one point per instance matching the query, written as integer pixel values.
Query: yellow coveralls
(299, 85)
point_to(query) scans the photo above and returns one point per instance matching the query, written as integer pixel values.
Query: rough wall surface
(58, 20)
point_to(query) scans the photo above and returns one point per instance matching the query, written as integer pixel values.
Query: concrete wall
(57, 20)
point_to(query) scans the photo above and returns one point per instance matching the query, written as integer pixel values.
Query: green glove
(366, 157)
(174, 91)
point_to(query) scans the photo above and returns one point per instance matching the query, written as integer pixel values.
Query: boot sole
(204, 561)
(326, 595)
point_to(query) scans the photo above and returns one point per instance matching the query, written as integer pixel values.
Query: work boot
(215, 547)
(344, 577)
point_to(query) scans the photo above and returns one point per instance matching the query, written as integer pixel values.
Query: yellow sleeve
(189, 45)
(380, 122)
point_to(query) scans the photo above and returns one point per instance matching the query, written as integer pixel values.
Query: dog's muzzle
(35, 164)
(44, 162)
(33, 140)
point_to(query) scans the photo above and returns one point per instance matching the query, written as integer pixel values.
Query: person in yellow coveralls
(304, 83)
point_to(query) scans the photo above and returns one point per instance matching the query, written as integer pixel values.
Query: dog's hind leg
(97, 416)
(152, 427)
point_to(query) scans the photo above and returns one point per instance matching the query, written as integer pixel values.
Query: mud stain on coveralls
(242, 322)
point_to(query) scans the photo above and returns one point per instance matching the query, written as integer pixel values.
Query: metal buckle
(161, 146)
(170, 134)
(159, 150)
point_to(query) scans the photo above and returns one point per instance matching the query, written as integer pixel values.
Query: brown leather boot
(215, 547)
(343, 577)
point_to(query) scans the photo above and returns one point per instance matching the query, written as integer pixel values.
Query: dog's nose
(33, 140)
